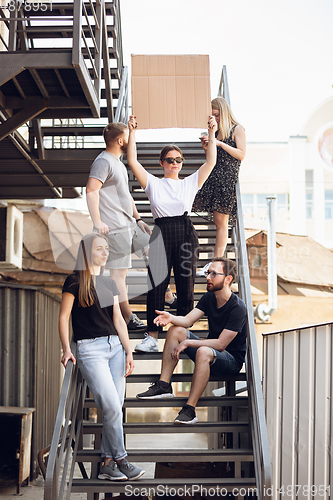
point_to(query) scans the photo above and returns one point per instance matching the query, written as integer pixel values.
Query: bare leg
(201, 374)
(119, 276)
(221, 223)
(175, 335)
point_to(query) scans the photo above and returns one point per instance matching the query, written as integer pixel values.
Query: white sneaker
(149, 344)
(201, 272)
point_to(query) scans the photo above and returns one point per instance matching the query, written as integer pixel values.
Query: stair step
(142, 486)
(211, 401)
(170, 427)
(188, 455)
(153, 355)
(181, 377)
(180, 402)
(162, 335)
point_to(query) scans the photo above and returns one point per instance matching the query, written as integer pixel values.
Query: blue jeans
(223, 363)
(102, 364)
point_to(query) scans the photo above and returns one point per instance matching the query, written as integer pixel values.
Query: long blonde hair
(227, 119)
(87, 293)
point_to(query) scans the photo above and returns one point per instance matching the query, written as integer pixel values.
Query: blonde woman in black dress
(218, 194)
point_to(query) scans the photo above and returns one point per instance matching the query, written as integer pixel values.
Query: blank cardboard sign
(171, 91)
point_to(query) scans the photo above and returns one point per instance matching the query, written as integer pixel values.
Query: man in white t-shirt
(114, 214)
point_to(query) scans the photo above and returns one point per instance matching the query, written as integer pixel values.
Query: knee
(177, 333)
(221, 221)
(204, 355)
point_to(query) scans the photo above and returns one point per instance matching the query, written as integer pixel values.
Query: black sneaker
(156, 391)
(173, 303)
(186, 416)
(135, 324)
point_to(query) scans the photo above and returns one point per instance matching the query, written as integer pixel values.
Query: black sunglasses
(179, 159)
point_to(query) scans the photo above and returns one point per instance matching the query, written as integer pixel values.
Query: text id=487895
(26, 5)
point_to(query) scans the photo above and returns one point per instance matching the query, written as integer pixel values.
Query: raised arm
(240, 140)
(210, 163)
(132, 160)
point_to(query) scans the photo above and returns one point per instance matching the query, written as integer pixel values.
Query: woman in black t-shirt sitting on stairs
(104, 354)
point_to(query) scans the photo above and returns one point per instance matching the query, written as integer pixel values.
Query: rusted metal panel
(297, 385)
(30, 369)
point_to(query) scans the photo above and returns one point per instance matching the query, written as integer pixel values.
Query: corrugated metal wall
(297, 385)
(30, 368)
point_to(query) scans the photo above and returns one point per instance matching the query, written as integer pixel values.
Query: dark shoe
(135, 324)
(173, 303)
(186, 416)
(156, 391)
(111, 472)
(131, 471)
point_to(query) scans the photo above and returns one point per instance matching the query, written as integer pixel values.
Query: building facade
(300, 174)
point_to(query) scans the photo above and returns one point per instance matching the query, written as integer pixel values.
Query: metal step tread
(212, 401)
(170, 427)
(182, 377)
(100, 486)
(186, 455)
(204, 401)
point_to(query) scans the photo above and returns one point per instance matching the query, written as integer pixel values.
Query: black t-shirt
(96, 320)
(231, 316)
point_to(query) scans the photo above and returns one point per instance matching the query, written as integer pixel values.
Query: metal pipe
(264, 311)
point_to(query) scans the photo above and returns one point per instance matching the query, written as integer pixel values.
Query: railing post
(77, 32)
(13, 29)
(98, 52)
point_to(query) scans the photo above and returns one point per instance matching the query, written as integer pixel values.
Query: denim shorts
(223, 363)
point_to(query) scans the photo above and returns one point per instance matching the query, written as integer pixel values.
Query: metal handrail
(122, 108)
(73, 389)
(261, 455)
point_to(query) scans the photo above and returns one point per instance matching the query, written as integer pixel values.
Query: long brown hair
(87, 293)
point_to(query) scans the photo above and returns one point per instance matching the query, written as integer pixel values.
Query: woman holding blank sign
(173, 243)
(218, 194)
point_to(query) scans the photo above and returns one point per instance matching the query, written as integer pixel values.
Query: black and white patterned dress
(218, 193)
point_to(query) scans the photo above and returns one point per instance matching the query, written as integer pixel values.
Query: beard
(215, 288)
(124, 147)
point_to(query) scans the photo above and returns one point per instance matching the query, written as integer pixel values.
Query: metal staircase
(61, 69)
(235, 423)
(59, 77)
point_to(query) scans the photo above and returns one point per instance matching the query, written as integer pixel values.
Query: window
(252, 203)
(328, 204)
(248, 203)
(261, 200)
(282, 202)
(257, 261)
(309, 194)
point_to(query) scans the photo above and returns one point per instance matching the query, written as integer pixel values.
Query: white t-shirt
(170, 197)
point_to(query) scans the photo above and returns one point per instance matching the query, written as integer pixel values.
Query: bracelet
(137, 220)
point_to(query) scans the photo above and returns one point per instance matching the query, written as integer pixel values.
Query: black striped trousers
(173, 244)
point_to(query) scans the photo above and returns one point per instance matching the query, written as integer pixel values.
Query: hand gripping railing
(67, 432)
(262, 462)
